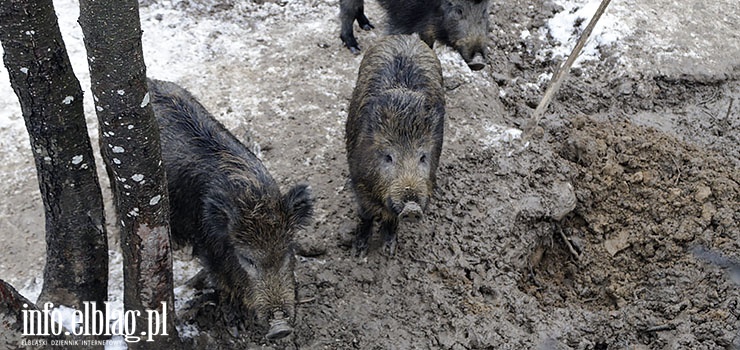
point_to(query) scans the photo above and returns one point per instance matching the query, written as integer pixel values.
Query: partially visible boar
(226, 205)
(394, 135)
(460, 24)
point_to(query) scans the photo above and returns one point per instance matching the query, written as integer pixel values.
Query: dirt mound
(645, 200)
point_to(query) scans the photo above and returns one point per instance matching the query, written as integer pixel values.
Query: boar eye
(458, 11)
(423, 158)
(248, 265)
(388, 158)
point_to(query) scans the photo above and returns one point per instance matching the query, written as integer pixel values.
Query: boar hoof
(390, 247)
(359, 251)
(278, 329)
(355, 50)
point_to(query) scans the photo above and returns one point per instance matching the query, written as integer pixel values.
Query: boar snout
(411, 212)
(279, 327)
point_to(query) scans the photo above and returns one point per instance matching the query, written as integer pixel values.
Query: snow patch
(118, 149)
(24, 70)
(77, 159)
(66, 317)
(116, 342)
(144, 103)
(32, 289)
(565, 28)
(116, 161)
(137, 177)
(187, 331)
(155, 200)
(67, 100)
(182, 271)
(121, 92)
(544, 78)
(498, 134)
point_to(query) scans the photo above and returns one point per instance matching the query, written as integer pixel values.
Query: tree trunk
(14, 310)
(51, 100)
(130, 146)
(11, 314)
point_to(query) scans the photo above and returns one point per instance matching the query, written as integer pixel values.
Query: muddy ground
(583, 239)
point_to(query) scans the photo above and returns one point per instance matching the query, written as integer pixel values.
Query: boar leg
(349, 11)
(362, 234)
(363, 21)
(388, 229)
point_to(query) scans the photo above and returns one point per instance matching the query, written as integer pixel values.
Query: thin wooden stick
(562, 73)
(729, 109)
(660, 328)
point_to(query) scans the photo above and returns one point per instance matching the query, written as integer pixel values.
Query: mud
(580, 239)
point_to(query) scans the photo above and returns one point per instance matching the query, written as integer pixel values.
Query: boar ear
(219, 223)
(299, 205)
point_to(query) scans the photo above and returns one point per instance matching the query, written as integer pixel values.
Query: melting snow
(144, 102)
(498, 134)
(66, 316)
(565, 28)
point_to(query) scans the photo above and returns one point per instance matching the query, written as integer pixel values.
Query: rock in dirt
(702, 193)
(617, 244)
(566, 200)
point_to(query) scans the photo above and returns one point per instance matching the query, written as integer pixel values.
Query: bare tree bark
(11, 314)
(51, 100)
(131, 150)
(15, 315)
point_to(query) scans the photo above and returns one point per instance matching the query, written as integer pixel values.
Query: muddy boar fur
(460, 24)
(226, 205)
(394, 134)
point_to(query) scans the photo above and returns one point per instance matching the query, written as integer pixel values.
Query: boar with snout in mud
(460, 24)
(226, 205)
(394, 135)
